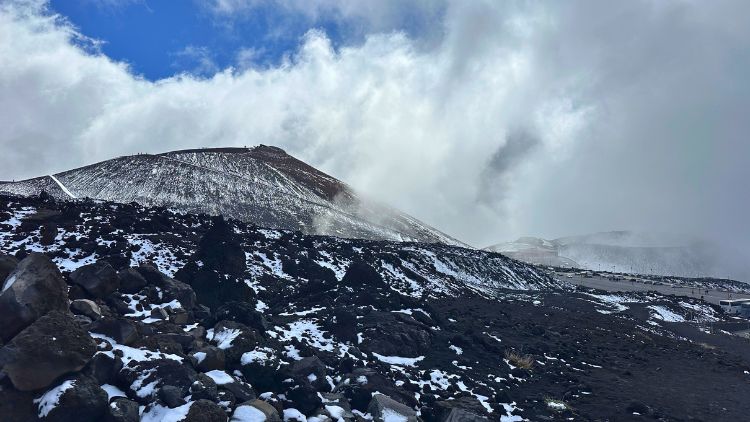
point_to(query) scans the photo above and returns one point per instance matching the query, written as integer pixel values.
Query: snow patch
(51, 398)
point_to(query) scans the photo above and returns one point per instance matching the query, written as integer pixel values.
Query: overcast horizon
(487, 120)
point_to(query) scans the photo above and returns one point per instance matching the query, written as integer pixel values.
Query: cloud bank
(489, 121)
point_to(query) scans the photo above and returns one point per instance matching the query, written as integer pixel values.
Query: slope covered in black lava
(204, 315)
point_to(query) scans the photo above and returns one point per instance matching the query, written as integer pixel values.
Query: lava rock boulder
(52, 346)
(98, 279)
(80, 399)
(7, 265)
(33, 289)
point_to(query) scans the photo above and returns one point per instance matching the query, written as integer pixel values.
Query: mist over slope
(261, 185)
(629, 252)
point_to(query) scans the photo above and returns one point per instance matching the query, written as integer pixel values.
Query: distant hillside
(261, 185)
(625, 251)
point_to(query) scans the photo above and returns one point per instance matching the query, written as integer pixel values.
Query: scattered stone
(235, 339)
(171, 288)
(179, 316)
(394, 334)
(344, 325)
(463, 409)
(159, 313)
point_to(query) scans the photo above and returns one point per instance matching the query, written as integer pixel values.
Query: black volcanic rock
(84, 400)
(440, 329)
(98, 279)
(52, 346)
(172, 289)
(205, 411)
(156, 374)
(212, 288)
(219, 250)
(17, 406)
(7, 265)
(131, 281)
(86, 307)
(394, 334)
(242, 312)
(48, 233)
(382, 405)
(123, 410)
(121, 330)
(34, 288)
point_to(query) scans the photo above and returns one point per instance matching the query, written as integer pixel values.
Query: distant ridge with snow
(626, 252)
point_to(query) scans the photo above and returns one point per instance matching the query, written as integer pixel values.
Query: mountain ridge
(262, 185)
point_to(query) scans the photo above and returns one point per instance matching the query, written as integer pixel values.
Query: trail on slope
(64, 189)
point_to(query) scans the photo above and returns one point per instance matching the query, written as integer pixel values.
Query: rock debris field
(118, 312)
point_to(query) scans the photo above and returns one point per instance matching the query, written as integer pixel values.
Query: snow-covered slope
(261, 185)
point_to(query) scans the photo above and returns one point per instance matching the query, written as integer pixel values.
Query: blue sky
(160, 38)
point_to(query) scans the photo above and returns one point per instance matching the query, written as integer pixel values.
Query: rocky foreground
(112, 312)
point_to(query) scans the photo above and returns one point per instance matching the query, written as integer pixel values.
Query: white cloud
(632, 112)
(197, 59)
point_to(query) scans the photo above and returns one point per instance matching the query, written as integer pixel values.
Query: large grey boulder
(254, 411)
(33, 289)
(98, 279)
(54, 345)
(384, 408)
